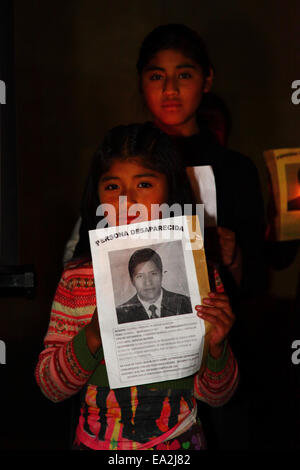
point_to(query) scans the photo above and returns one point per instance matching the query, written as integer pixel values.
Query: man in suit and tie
(151, 299)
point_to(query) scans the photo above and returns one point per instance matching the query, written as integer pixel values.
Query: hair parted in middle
(154, 149)
(177, 37)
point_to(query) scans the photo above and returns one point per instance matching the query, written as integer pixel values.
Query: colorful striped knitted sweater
(66, 366)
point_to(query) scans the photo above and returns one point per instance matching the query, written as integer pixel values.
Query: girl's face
(140, 185)
(173, 85)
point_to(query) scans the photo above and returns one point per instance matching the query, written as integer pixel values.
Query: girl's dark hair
(177, 37)
(157, 152)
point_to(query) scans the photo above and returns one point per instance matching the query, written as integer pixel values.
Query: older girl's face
(173, 85)
(140, 185)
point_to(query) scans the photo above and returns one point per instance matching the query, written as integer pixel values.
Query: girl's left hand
(217, 311)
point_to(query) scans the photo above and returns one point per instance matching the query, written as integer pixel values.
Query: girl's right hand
(216, 309)
(92, 332)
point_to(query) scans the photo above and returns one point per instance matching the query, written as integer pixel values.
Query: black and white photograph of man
(151, 299)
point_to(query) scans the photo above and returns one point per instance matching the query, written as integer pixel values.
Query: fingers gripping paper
(156, 266)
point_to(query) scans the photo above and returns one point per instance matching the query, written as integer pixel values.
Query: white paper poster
(147, 288)
(284, 169)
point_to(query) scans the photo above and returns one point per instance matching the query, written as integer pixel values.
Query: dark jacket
(172, 304)
(240, 206)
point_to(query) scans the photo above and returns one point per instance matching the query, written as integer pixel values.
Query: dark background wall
(75, 78)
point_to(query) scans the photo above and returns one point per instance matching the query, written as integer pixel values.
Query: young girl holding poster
(139, 162)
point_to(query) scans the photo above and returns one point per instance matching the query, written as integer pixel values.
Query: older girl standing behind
(175, 72)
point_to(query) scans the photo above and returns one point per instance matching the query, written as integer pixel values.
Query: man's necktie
(153, 309)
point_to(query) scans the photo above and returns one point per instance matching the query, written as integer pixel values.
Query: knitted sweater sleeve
(66, 363)
(219, 380)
